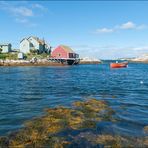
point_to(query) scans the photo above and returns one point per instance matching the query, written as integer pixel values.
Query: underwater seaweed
(45, 131)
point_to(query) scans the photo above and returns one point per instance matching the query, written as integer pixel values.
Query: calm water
(26, 91)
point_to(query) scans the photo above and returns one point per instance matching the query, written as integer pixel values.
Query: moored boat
(119, 65)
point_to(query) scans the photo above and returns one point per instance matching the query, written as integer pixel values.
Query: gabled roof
(38, 40)
(24, 39)
(5, 44)
(67, 49)
(42, 42)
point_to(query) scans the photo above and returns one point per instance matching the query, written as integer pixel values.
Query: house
(63, 52)
(31, 44)
(5, 48)
(20, 56)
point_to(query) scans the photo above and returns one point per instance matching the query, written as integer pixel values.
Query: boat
(119, 65)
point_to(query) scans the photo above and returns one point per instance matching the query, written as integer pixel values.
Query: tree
(1, 50)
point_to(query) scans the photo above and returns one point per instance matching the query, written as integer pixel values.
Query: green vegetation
(33, 53)
(1, 50)
(45, 131)
(29, 56)
(10, 56)
(3, 56)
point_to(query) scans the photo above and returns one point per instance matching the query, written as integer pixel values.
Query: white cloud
(140, 27)
(109, 51)
(104, 30)
(23, 20)
(22, 11)
(125, 26)
(144, 48)
(39, 6)
(128, 25)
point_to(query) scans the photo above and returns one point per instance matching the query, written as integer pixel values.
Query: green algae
(44, 131)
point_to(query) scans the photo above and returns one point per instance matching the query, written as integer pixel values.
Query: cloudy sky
(103, 30)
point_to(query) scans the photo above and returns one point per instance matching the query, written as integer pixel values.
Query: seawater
(26, 91)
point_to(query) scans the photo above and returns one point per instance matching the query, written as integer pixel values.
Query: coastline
(90, 62)
(138, 61)
(43, 62)
(31, 64)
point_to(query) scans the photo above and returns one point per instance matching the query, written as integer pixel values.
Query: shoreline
(14, 63)
(30, 64)
(132, 61)
(90, 62)
(41, 62)
(37, 64)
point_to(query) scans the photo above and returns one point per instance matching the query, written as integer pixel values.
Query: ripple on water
(26, 91)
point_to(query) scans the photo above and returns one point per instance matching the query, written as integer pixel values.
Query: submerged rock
(145, 129)
(45, 131)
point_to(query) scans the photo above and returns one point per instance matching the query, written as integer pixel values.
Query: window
(59, 54)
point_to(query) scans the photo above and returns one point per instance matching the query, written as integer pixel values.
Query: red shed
(63, 52)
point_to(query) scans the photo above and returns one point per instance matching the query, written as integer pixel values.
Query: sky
(95, 29)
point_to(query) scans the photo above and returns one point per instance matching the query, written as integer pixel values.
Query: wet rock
(145, 129)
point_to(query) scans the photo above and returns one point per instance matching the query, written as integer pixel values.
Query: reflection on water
(26, 91)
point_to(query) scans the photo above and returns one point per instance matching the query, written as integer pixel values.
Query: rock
(88, 60)
(143, 58)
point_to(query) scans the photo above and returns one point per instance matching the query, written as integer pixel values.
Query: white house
(34, 43)
(5, 47)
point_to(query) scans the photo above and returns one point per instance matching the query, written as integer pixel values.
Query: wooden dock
(67, 61)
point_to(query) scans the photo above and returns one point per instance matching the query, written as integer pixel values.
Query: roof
(67, 49)
(24, 39)
(38, 40)
(4, 44)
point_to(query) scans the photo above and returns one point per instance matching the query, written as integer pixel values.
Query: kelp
(146, 141)
(107, 141)
(45, 131)
(145, 129)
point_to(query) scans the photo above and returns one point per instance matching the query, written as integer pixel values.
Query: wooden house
(63, 52)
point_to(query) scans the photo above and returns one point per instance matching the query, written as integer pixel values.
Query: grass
(29, 56)
(10, 56)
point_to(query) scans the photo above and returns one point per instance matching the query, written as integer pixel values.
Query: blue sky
(96, 29)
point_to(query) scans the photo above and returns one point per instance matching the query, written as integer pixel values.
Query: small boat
(119, 65)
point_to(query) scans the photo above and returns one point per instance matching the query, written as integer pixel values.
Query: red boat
(119, 65)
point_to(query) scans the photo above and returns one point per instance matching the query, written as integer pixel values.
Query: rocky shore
(29, 63)
(90, 61)
(42, 62)
(140, 59)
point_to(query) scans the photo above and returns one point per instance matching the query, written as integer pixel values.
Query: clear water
(26, 91)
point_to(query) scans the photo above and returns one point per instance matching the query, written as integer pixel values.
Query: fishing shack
(64, 54)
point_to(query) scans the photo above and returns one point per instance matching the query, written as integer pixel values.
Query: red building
(63, 52)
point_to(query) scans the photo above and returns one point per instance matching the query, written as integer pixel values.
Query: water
(26, 91)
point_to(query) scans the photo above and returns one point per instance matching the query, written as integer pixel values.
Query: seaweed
(45, 130)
